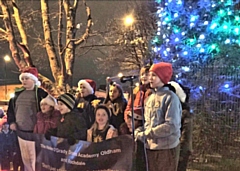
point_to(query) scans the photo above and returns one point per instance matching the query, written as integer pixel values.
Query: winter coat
(139, 151)
(7, 148)
(163, 113)
(72, 125)
(117, 107)
(45, 121)
(89, 110)
(140, 94)
(186, 131)
(40, 94)
(111, 133)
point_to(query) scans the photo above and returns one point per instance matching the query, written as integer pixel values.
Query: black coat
(71, 125)
(85, 104)
(8, 146)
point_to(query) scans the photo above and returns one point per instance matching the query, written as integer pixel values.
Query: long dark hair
(119, 102)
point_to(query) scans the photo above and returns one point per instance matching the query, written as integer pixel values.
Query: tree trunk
(70, 36)
(53, 60)
(11, 36)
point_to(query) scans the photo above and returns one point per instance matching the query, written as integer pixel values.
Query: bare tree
(130, 46)
(60, 51)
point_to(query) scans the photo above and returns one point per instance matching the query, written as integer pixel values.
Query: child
(116, 101)
(22, 112)
(7, 146)
(71, 125)
(126, 128)
(162, 121)
(187, 125)
(48, 116)
(85, 97)
(101, 129)
(141, 92)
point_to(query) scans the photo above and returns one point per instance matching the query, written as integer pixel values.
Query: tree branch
(19, 25)
(26, 54)
(89, 25)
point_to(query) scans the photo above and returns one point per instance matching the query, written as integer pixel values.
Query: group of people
(160, 115)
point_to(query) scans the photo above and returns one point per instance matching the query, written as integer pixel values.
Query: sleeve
(128, 108)
(80, 127)
(10, 112)
(173, 113)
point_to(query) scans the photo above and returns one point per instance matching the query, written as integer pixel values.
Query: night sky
(102, 12)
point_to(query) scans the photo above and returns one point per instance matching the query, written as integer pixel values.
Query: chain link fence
(215, 105)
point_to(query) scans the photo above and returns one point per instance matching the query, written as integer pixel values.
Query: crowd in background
(160, 119)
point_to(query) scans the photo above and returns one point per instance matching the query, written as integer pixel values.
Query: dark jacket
(89, 110)
(117, 107)
(40, 94)
(70, 125)
(7, 148)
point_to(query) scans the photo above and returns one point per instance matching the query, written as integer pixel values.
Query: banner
(57, 155)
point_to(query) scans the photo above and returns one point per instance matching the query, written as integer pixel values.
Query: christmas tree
(201, 40)
(194, 33)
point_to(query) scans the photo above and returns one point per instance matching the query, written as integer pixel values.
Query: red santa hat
(89, 84)
(31, 73)
(137, 113)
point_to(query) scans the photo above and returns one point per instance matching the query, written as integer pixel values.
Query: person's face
(144, 77)
(83, 91)
(45, 107)
(101, 117)
(27, 83)
(129, 123)
(63, 108)
(5, 126)
(113, 93)
(154, 80)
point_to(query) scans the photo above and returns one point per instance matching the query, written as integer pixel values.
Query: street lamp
(6, 59)
(128, 20)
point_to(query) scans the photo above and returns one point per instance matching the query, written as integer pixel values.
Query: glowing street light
(129, 20)
(6, 59)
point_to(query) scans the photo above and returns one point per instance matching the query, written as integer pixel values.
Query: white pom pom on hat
(31, 73)
(89, 84)
(50, 100)
(179, 91)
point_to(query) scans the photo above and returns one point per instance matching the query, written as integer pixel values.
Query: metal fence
(215, 101)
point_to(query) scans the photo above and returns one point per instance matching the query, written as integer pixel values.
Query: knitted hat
(137, 113)
(103, 106)
(89, 84)
(163, 70)
(32, 73)
(68, 99)
(179, 91)
(50, 100)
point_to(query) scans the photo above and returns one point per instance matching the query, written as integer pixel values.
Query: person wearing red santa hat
(85, 96)
(162, 114)
(22, 112)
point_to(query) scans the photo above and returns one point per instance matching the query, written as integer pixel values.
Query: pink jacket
(46, 121)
